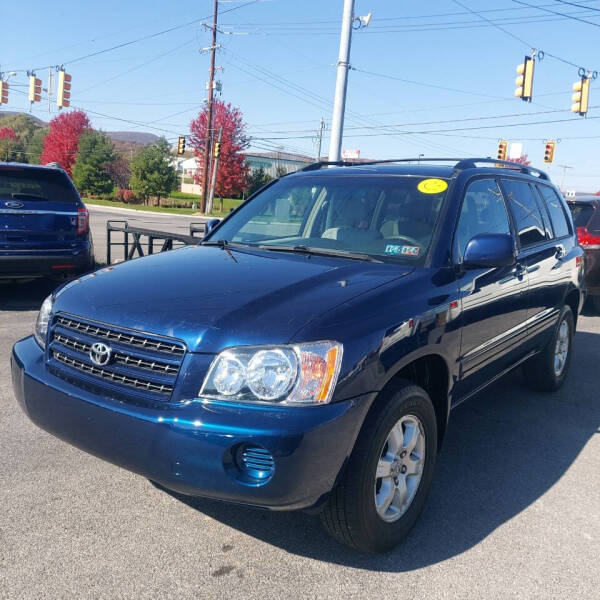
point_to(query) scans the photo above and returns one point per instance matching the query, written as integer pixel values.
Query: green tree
(151, 172)
(11, 149)
(36, 145)
(23, 125)
(256, 179)
(94, 155)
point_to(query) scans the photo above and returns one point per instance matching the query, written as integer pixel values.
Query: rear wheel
(387, 479)
(548, 370)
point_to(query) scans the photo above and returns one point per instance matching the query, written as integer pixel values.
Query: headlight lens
(41, 325)
(297, 374)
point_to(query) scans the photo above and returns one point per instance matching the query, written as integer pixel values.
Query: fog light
(255, 461)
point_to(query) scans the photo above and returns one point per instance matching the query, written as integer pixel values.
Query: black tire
(350, 514)
(539, 371)
(596, 303)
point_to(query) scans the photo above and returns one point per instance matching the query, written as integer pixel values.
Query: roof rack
(461, 164)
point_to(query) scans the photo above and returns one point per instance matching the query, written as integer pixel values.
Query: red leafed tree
(8, 133)
(233, 169)
(62, 141)
(522, 160)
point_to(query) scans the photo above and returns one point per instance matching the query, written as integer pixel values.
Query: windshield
(19, 183)
(380, 216)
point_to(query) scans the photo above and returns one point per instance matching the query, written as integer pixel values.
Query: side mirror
(210, 225)
(489, 250)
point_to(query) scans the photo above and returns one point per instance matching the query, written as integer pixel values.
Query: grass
(228, 203)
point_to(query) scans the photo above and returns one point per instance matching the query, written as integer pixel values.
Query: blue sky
(420, 71)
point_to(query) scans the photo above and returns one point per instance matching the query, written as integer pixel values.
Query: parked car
(308, 352)
(586, 217)
(44, 225)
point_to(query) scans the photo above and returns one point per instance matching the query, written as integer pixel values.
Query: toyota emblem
(100, 354)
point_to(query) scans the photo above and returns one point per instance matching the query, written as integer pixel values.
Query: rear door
(542, 253)
(38, 209)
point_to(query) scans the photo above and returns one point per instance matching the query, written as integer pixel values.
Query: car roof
(29, 167)
(586, 199)
(411, 167)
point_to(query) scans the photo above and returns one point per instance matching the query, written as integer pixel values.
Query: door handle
(560, 252)
(520, 270)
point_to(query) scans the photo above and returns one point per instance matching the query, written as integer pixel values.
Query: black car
(586, 217)
(308, 352)
(44, 225)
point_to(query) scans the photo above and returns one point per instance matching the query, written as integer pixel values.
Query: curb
(133, 211)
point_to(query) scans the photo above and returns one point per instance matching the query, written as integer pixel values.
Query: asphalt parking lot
(514, 510)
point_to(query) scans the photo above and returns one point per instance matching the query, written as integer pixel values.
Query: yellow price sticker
(432, 186)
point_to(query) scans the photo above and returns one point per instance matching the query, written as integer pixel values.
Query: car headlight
(295, 374)
(41, 325)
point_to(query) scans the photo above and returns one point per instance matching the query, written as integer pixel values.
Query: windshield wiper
(225, 244)
(302, 249)
(21, 196)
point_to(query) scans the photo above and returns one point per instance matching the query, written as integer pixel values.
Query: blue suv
(308, 352)
(44, 225)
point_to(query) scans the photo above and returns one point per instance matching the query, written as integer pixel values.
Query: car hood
(213, 298)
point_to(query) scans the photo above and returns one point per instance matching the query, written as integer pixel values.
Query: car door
(541, 254)
(493, 300)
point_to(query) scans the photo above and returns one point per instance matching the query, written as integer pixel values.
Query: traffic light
(64, 89)
(581, 96)
(35, 89)
(3, 92)
(216, 149)
(524, 80)
(549, 153)
(180, 145)
(502, 149)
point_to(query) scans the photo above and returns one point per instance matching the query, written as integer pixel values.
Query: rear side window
(482, 211)
(35, 184)
(557, 213)
(582, 213)
(528, 218)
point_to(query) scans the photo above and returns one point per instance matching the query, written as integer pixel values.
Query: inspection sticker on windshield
(402, 250)
(432, 186)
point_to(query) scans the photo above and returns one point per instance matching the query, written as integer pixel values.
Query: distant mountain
(136, 137)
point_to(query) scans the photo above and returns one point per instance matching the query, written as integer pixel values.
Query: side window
(556, 210)
(530, 225)
(482, 211)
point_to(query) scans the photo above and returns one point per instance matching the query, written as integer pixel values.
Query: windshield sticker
(432, 186)
(402, 250)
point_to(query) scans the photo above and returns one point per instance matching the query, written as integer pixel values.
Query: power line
(554, 12)
(574, 4)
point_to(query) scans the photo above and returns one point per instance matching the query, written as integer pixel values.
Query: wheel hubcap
(400, 468)
(561, 349)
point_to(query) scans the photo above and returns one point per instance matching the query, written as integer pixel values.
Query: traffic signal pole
(341, 83)
(209, 103)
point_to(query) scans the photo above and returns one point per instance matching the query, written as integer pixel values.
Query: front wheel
(387, 479)
(548, 370)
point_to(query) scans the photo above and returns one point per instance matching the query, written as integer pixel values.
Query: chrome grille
(118, 336)
(140, 364)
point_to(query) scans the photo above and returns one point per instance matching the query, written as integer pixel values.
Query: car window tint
(556, 210)
(24, 183)
(530, 225)
(582, 213)
(482, 211)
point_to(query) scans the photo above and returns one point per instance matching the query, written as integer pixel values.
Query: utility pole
(50, 75)
(213, 183)
(341, 83)
(320, 138)
(562, 181)
(207, 139)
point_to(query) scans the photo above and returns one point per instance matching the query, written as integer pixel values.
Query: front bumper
(50, 263)
(188, 446)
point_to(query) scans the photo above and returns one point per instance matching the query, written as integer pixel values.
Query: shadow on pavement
(502, 452)
(27, 295)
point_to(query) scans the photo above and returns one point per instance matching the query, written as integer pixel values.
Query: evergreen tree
(90, 171)
(152, 174)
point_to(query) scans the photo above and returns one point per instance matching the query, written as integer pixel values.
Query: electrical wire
(554, 12)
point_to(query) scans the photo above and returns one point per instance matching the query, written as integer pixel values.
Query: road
(514, 511)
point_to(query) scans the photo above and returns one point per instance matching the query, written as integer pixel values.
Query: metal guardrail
(138, 241)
